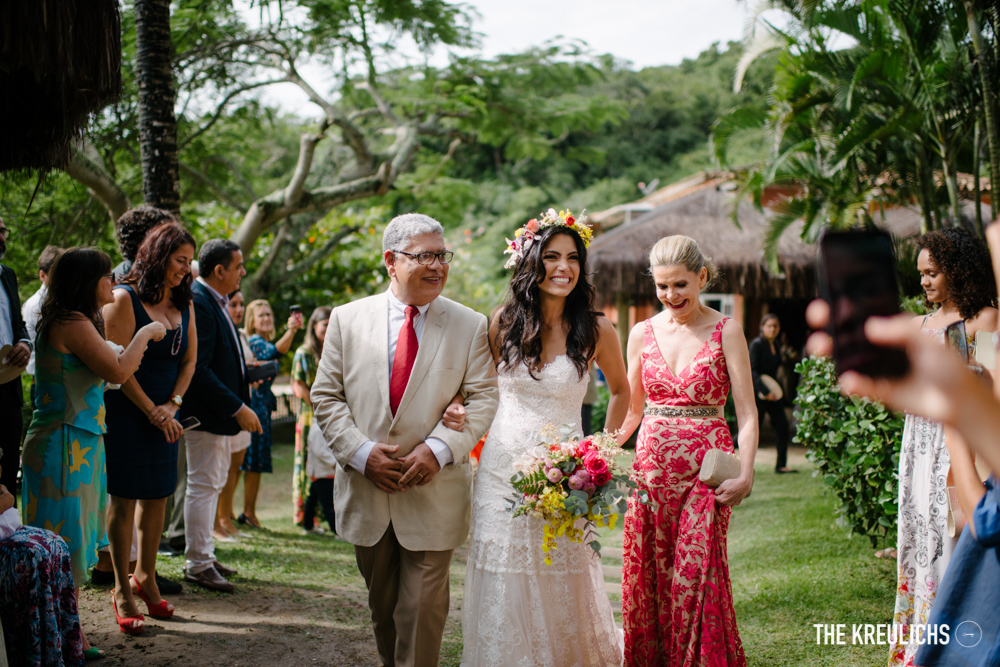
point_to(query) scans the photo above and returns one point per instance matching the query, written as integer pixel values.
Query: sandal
(127, 623)
(886, 553)
(162, 610)
(92, 653)
(244, 520)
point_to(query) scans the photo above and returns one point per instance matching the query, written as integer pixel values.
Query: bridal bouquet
(564, 479)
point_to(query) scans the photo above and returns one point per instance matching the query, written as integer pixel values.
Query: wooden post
(622, 303)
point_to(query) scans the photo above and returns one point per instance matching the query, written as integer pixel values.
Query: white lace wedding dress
(518, 611)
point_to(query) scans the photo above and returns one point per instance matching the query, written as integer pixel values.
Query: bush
(855, 444)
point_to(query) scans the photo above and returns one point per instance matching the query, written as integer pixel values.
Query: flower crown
(525, 236)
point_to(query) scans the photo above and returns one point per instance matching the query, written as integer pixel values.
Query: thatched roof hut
(60, 61)
(702, 209)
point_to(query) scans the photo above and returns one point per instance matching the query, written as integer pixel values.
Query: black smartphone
(957, 340)
(295, 309)
(189, 423)
(857, 276)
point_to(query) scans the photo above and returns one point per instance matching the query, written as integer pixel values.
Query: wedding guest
(260, 331)
(677, 597)
(32, 308)
(13, 332)
(38, 604)
(217, 397)
(64, 459)
(307, 490)
(133, 226)
(956, 276)
(224, 529)
(766, 359)
(939, 387)
(143, 429)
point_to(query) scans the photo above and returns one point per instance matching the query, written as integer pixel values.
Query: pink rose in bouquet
(554, 475)
(597, 467)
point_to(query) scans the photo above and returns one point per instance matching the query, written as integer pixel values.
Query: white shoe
(316, 530)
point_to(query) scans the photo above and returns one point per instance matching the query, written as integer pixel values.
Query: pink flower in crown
(532, 225)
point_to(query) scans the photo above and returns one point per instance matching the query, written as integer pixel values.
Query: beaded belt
(689, 411)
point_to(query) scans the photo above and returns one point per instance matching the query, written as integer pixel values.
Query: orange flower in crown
(525, 236)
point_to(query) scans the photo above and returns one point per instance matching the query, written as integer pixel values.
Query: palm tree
(157, 123)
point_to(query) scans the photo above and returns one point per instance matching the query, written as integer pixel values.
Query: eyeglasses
(427, 258)
(175, 347)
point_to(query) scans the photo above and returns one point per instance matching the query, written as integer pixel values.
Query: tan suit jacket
(350, 400)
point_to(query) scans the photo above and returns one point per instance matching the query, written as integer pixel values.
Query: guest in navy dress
(143, 426)
(260, 328)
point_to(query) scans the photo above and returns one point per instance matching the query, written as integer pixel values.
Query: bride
(518, 611)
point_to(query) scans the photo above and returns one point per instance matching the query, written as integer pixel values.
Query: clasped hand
(391, 474)
(163, 418)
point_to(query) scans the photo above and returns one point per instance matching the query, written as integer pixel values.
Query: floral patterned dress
(923, 546)
(65, 483)
(304, 366)
(263, 402)
(38, 609)
(676, 597)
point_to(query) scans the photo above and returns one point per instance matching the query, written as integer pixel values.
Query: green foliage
(599, 411)
(854, 444)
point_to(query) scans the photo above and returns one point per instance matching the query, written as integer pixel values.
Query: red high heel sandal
(125, 623)
(162, 610)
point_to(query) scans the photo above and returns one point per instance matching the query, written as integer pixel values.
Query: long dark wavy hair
(520, 328)
(149, 270)
(964, 260)
(73, 282)
(312, 343)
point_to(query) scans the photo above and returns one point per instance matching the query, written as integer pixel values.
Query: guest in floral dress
(65, 486)
(677, 602)
(304, 366)
(956, 276)
(37, 601)
(260, 329)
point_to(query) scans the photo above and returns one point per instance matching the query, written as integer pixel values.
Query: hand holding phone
(858, 280)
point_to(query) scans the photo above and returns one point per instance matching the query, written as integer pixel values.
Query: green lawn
(791, 567)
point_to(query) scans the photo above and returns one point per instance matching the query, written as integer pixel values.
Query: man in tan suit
(391, 365)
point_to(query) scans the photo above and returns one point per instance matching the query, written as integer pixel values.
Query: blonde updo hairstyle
(685, 251)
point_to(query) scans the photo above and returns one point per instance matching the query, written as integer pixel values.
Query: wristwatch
(177, 400)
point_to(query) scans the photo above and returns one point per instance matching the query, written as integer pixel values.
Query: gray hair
(404, 227)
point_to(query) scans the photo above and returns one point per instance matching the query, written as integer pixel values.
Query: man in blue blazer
(219, 398)
(12, 332)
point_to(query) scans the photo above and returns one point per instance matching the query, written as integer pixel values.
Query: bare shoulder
(732, 331)
(985, 320)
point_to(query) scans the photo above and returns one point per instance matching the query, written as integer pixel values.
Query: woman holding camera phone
(143, 428)
(260, 329)
(956, 276)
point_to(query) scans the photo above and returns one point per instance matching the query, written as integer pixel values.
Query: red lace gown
(676, 596)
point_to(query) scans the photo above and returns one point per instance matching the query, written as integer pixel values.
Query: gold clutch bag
(718, 466)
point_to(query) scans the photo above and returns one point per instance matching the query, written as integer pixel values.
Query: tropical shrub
(854, 443)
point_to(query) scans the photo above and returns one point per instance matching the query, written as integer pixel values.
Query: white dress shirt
(31, 311)
(397, 318)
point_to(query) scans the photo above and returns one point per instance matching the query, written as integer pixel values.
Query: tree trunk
(925, 198)
(989, 91)
(157, 124)
(977, 141)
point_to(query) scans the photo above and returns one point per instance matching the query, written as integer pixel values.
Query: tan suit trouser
(408, 595)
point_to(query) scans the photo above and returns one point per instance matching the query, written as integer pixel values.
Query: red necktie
(402, 361)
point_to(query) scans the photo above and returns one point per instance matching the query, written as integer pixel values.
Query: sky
(645, 32)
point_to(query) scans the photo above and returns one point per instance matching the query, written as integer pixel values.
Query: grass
(791, 567)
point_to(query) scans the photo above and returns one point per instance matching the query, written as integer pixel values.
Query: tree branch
(102, 186)
(222, 106)
(215, 187)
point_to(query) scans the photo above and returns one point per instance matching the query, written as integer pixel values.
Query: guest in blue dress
(260, 328)
(64, 487)
(143, 428)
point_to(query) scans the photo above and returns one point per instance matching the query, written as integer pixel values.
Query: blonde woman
(677, 600)
(260, 331)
